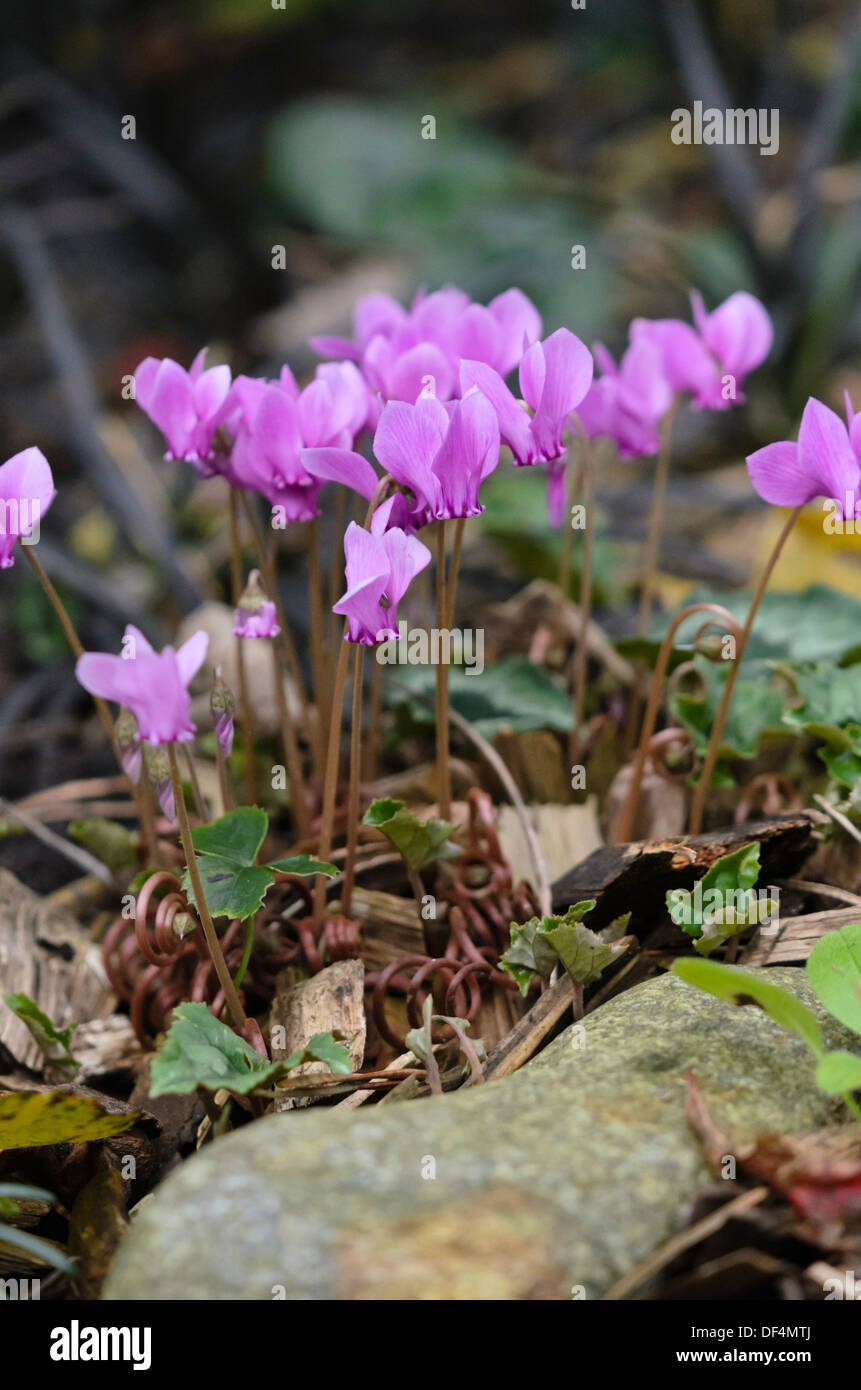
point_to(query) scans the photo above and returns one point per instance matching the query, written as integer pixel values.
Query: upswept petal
(568, 372)
(341, 466)
(468, 453)
(779, 476)
(408, 375)
(513, 419)
(191, 655)
(739, 331)
(826, 454)
(520, 325)
(407, 441)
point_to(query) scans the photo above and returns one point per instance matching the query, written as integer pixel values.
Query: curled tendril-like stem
(625, 824)
(675, 741)
(770, 793)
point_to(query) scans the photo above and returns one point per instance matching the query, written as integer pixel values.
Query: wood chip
(47, 955)
(391, 927)
(797, 937)
(332, 1001)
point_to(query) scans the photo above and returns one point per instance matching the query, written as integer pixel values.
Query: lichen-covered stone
(561, 1176)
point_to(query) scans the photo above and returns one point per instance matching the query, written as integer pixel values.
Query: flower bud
(222, 706)
(255, 613)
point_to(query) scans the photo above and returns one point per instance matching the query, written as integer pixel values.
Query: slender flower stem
(246, 725)
(624, 826)
(140, 791)
(319, 663)
(566, 548)
(372, 742)
(652, 551)
(454, 569)
(336, 568)
(213, 944)
(353, 798)
(443, 770)
(330, 783)
(284, 640)
(292, 757)
(581, 656)
(713, 748)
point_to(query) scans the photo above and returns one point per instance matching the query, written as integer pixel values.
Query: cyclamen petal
(738, 332)
(26, 493)
(822, 464)
(379, 567)
(256, 622)
(153, 685)
(185, 405)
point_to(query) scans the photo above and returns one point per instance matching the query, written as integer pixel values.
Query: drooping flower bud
(255, 613)
(158, 769)
(129, 745)
(222, 706)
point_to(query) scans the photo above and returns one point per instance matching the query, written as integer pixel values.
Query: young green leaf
(834, 970)
(723, 902)
(200, 1050)
(233, 884)
(420, 842)
(236, 836)
(539, 944)
(839, 1073)
(53, 1042)
(230, 889)
(738, 986)
(302, 864)
(108, 840)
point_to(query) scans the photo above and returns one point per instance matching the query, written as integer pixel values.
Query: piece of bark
(332, 1001)
(106, 1047)
(635, 877)
(391, 927)
(797, 936)
(47, 955)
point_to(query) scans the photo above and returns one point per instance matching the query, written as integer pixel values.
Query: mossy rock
(545, 1185)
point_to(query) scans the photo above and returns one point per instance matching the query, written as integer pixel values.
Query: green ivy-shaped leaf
(839, 1073)
(539, 944)
(756, 708)
(233, 884)
(200, 1050)
(724, 904)
(834, 971)
(53, 1042)
(420, 842)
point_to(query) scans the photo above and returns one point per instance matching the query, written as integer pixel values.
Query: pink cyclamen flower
(627, 402)
(403, 352)
(26, 493)
(554, 377)
(825, 462)
(442, 453)
(185, 405)
(273, 422)
(153, 685)
(712, 359)
(380, 566)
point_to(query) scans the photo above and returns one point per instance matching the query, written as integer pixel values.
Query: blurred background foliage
(259, 126)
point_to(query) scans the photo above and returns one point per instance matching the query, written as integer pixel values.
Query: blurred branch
(150, 536)
(735, 168)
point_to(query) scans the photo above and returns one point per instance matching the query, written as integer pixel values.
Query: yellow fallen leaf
(29, 1119)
